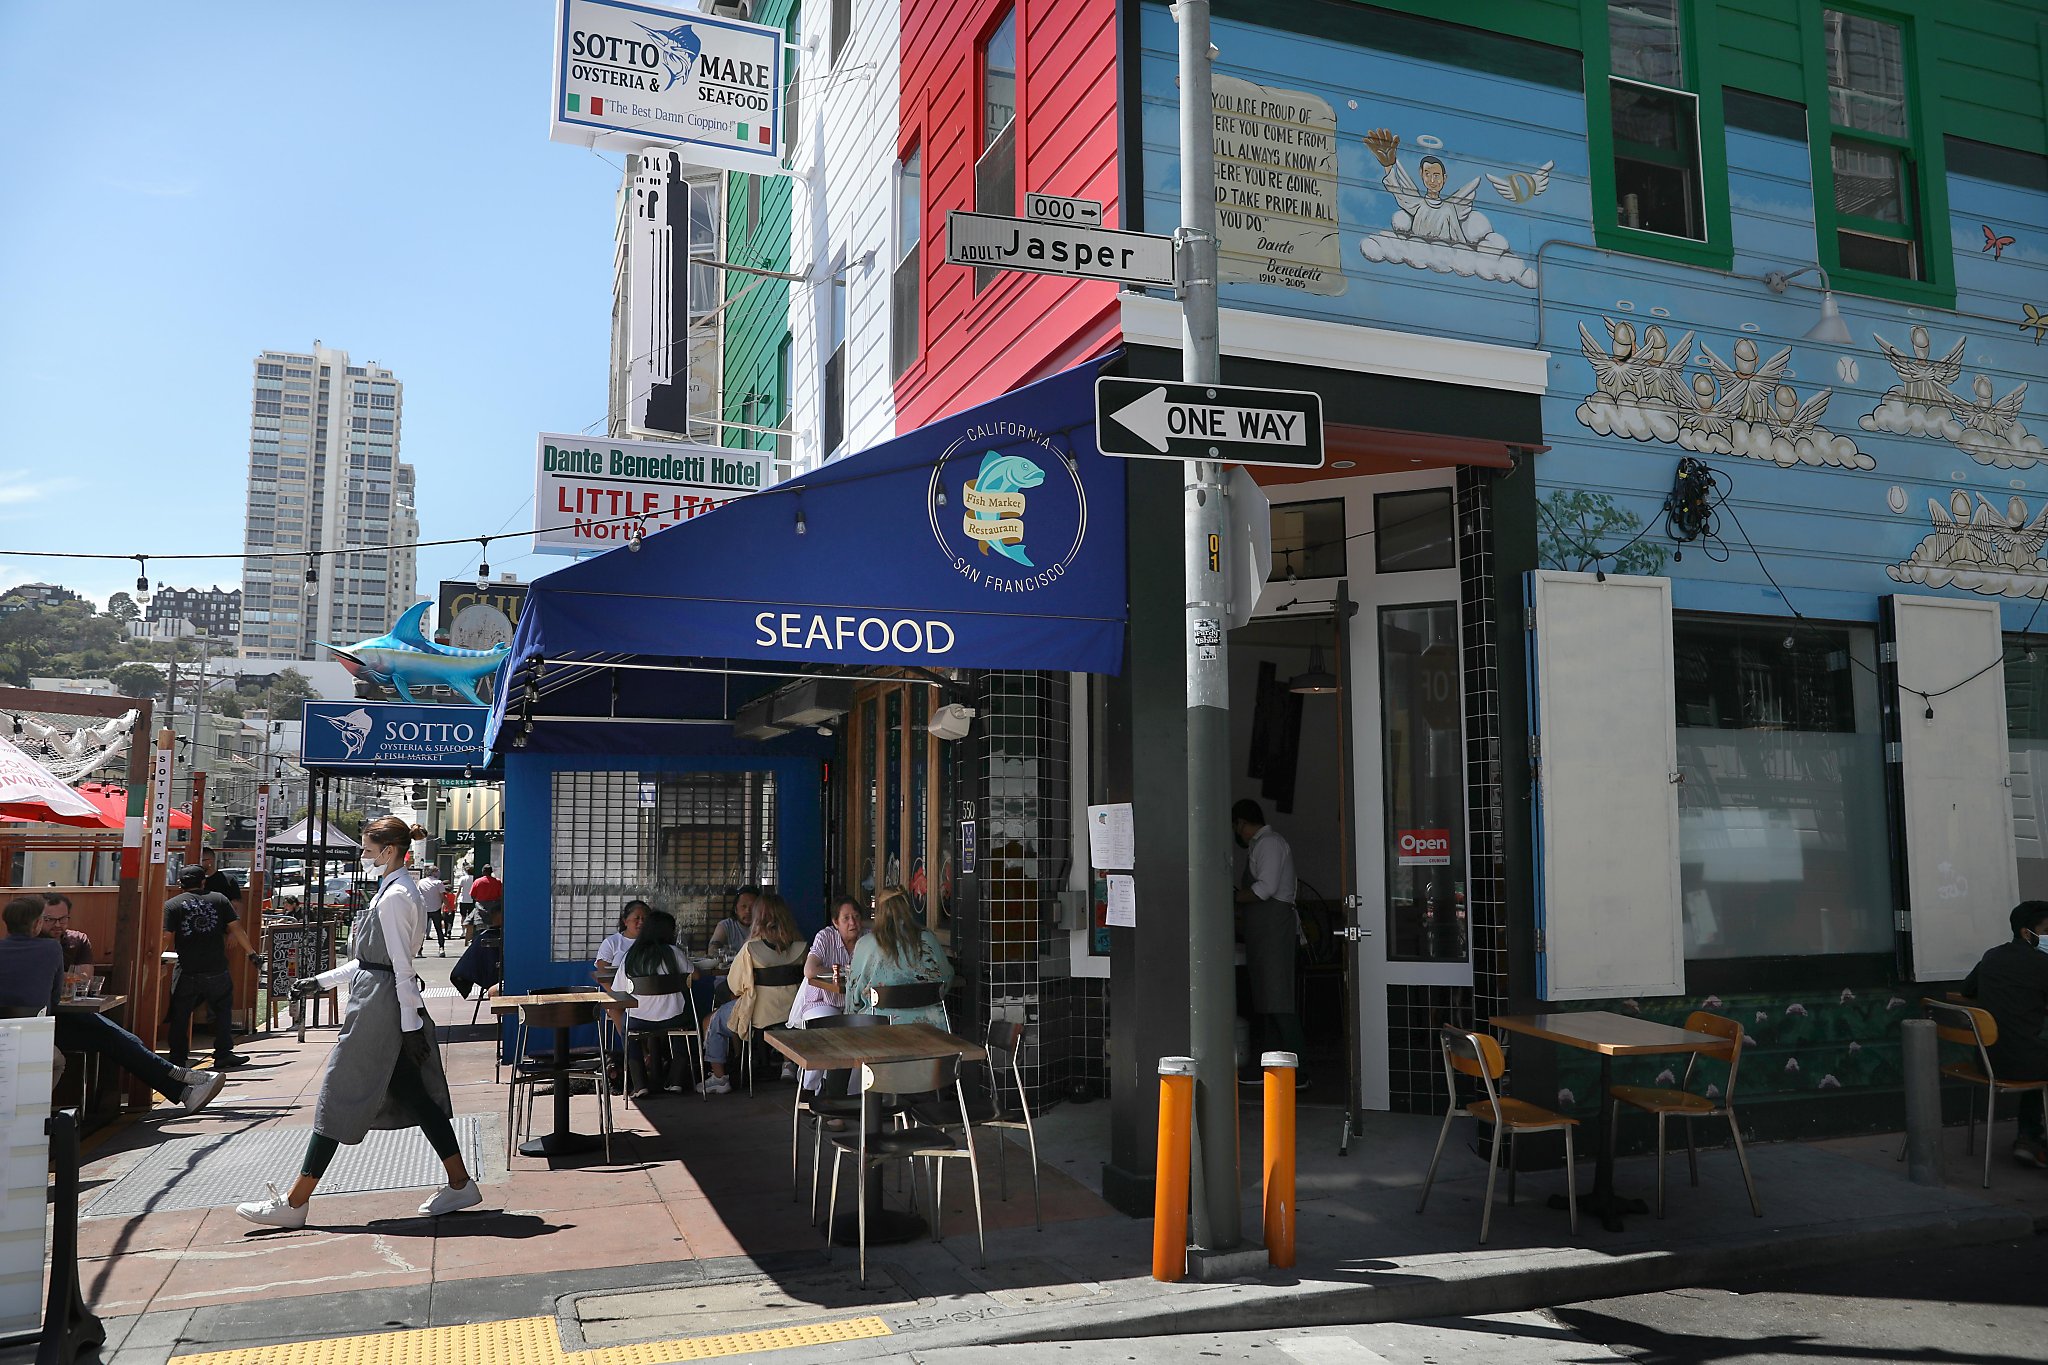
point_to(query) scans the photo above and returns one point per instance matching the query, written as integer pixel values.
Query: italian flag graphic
(596, 105)
(754, 132)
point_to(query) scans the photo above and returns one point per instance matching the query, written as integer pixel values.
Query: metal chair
(1973, 1027)
(767, 978)
(528, 1073)
(1479, 1057)
(821, 1107)
(1005, 1050)
(913, 1144)
(1664, 1102)
(914, 995)
(690, 1030)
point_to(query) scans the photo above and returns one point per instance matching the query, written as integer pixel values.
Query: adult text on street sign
(1155, 419)
(1051, 208)
(1091, 253)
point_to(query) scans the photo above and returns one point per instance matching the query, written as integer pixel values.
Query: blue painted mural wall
(529, 832)
(1855, 474)
(1481, 125)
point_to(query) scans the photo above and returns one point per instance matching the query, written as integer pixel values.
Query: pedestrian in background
(200, 923)
(433, 890)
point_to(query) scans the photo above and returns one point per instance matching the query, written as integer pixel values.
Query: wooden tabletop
(841, 1049)
(99, 1004)
(587, 995)
(1604, 1031)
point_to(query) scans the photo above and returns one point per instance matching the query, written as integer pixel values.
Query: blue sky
(187, 185)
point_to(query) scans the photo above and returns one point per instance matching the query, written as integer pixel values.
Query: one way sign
(1153, 419)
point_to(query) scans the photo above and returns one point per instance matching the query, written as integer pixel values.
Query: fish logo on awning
(993, 482)
(995, 504)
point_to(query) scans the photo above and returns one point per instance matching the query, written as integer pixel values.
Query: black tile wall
(1015, 959)
(1415, 1059)
(1485, 892)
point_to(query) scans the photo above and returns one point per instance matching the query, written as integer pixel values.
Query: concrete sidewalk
(690, 1238)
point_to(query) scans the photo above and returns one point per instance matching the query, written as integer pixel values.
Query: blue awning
(990, 539)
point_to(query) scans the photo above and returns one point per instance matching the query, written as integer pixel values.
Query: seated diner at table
(823, 991)
(658, 975)
(31, 983)
(899, 952)
(611, 953)
(774, 944)
(733, 930)
(2010, 982)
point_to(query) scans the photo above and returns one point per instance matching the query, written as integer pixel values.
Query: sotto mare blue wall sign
(991, 539)
(393, 736)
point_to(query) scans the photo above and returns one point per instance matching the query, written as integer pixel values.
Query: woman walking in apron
(385, 1070)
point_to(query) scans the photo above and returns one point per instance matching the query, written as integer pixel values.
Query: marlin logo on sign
(355, 729)
(680, 47)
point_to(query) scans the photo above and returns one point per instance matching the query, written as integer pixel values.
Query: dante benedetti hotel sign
(631, 76)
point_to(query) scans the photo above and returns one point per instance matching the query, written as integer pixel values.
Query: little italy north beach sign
(593, 495)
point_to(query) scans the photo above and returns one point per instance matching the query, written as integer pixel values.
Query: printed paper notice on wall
(1123, 901)
(1276, 187)
(1112, 839)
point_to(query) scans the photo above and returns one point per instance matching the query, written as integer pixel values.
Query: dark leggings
(409, 1088)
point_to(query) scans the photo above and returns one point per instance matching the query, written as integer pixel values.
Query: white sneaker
(201, 1089)
(448, 1199)
(714, 1085)
(789, 1071)
(276, 1211)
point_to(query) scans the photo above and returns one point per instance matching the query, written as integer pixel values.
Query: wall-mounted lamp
(1830, 329)
(1318, 681)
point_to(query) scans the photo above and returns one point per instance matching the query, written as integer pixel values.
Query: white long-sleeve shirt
(401, 913)
(1269, 867)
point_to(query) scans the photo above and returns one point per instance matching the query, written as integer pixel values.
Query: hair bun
(419, 831)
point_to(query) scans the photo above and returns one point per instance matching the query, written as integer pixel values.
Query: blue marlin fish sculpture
(406, 658)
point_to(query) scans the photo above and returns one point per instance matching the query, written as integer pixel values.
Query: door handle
(1354, 933)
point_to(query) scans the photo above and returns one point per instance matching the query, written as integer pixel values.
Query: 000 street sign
(1091, 253)
(1155, 419)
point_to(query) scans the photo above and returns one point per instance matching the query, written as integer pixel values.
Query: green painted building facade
(756, 366)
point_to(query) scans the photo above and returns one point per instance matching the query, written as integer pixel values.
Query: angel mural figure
(1924, 402)
(1434, 230)
(1642, 391)
(1750, 387)
(1970, 546)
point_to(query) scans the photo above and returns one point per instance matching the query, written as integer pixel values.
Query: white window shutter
(1607, 899)
(1962, 870)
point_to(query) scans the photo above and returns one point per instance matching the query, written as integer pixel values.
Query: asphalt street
(1978, 1306)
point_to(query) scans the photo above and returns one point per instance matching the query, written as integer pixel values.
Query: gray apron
(355, 1093)
(1269, 956)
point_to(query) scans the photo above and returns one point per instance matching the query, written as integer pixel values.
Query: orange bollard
(1170, 1200)
(1280, 1068)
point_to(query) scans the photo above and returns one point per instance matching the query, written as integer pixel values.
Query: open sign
(1422, 848)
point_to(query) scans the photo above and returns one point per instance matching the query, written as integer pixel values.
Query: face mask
(2042, 944)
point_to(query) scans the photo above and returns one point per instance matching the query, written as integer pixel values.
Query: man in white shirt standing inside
(1265, 899)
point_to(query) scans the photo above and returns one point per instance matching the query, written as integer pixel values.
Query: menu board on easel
(26, 1048)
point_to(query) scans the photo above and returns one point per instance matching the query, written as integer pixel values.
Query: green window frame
(1924, 191)
(1700, 81)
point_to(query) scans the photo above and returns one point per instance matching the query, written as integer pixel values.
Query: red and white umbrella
(29, 791)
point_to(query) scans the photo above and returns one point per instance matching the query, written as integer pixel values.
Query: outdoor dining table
(1610, 1035)
(563, 1141)
(842, 1049)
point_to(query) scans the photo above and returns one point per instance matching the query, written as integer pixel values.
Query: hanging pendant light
(1318, 681)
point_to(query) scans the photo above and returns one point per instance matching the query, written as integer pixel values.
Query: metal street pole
(1212, 974)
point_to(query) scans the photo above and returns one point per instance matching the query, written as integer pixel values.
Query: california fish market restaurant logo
(1007, 519)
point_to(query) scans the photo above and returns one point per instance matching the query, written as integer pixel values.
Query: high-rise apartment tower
(324, 475)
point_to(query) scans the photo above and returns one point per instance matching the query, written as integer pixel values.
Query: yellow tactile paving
(531, 1341)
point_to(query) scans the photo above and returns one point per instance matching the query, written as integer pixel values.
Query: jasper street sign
(1089, 253)
(1155, 419)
